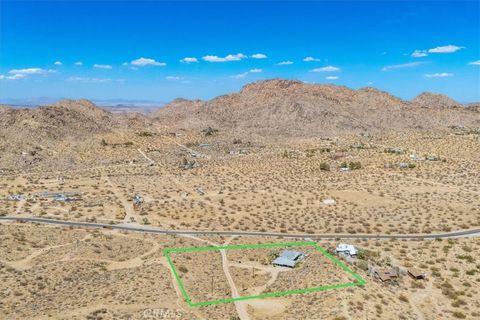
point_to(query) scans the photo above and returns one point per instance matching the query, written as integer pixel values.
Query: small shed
(288, 258)
(416, 274)
(385, 275)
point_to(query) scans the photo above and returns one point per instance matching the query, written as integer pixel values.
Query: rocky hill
(432, 100)
(65, 118)
(285, 107)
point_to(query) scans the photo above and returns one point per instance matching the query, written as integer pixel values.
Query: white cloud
(326, 69)
(141, 62)
(442, 49)
(2, 76)
(58, 63)
(28, 71)
(439, 75)
(285, 63)
(16, 76)
(310, 59)
(259, 56)
(475, 63)
(89, 80)
(240, 75)
(22, 73)
(79, 63)
(445, 49)
(102, 66)
(244, 74)
(174, 78)
(332, 78)
(189, 60)
(400, 66)
(230, 57)
(419, 53)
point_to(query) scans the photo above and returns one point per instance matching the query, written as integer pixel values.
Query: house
(329, 201)
(137, 200)
(416, 274)
(415, 157)
(16, 197)
(385, 275)
(288, 258)
(433, 158)
(348, 249)
(343, 169)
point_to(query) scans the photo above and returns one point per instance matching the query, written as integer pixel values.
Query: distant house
(344, 248)
(329, 201)
(343, 169)
(433, 158)
(415, 157)
(16, 197)
(137, 200)
(385, 275)
(288, 258)
(416, 274)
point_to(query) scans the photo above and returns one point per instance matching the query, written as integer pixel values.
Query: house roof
(343, 247)
(290, 255)
(416, 273)
(386, 274)
(288, 258)
(281, 261)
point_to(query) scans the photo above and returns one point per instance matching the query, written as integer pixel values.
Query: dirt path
(150, 161)
(185, 147)
(130, 215)
(241, 306)
(25, 263)
(418, 297)
(20, 205)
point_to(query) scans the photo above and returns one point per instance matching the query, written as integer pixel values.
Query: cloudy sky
(160, 50)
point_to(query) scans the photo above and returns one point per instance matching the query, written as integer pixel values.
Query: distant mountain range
(270, 107)
(286, 107)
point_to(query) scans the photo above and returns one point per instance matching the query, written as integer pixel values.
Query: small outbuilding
(385, 275)
(344, 248)
(329, 201)
(288, 258)
(416, 274)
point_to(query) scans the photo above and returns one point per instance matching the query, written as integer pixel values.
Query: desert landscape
(90, 199)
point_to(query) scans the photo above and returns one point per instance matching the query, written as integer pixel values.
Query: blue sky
(136, 50)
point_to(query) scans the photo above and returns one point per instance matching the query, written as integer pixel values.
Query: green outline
(359, 280)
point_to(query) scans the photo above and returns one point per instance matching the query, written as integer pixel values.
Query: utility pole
(253, 272)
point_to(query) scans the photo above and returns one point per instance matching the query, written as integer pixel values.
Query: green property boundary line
(357, 282)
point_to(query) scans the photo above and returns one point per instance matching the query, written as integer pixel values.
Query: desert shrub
(354, 165)
(324, 166)
(145, 134)
(209, 131)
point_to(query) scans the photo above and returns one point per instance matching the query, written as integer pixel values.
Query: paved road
(156, 230)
